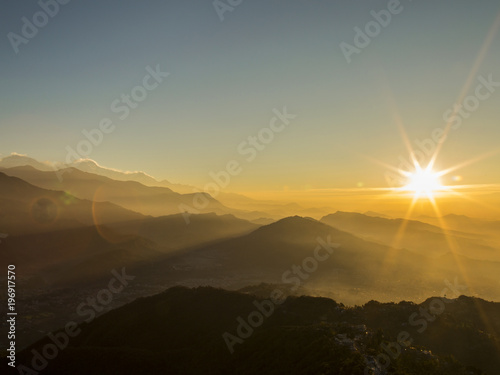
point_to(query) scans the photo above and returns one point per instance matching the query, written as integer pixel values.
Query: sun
(423, 182)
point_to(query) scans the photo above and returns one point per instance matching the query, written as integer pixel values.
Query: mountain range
(248, 208)
(67, 234)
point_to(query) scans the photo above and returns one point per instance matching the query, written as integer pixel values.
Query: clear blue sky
(226, 78)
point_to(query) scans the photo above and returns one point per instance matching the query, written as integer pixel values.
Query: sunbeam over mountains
(250, 187)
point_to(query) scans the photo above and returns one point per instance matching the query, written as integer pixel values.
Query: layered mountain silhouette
(415, 235)
(26, 208)
(148, 200)
(247, 208)
(61, 238)
(172, 233)
(18, 160)
(465, 223)
(356, 271)
(67, 229)
(90, 166)
(133, 195)
(364, 263)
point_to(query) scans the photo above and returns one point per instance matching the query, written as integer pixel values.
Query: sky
(232, 70)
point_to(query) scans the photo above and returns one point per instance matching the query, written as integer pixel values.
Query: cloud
(87, 160)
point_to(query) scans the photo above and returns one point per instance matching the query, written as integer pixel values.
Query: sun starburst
(423, 182)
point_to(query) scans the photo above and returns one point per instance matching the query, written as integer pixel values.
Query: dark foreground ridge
(194, 331)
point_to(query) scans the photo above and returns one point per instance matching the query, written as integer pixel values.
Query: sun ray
(453, 246)
(404, 224)
(406, 140)
(389, 260)
(387, 166)
(425, 182)
(468, 162)
(468, 82)
(484, 317)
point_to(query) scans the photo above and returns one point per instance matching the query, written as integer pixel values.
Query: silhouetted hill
(90, 166)
(25, 167)
(133, 195)
(148, 200)
(171, 232)
(29, 209)
(465, 223)
(418, 236)
(376, 214)
(268, 252)
(280, 244)
(355, 271)
(180, 331)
